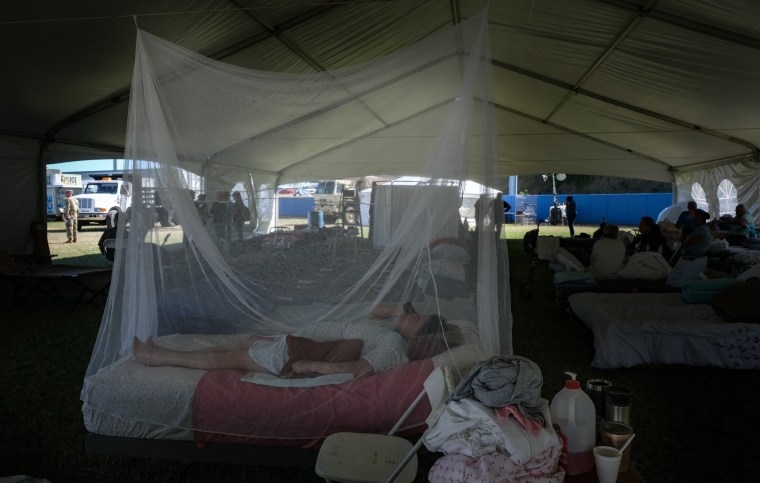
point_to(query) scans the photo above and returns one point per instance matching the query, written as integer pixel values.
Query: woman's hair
(610, 231)
(436, 323)
(435, 337)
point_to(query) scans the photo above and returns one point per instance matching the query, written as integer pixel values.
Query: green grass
(692, 424)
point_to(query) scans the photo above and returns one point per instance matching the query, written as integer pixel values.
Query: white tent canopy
(653, 90)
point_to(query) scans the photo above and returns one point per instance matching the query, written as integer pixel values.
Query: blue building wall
(296, 206)
(619, 209)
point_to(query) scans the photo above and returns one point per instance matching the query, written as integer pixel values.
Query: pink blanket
(228, 410)
(498, 468)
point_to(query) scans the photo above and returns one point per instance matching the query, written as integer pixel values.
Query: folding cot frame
(188, 452)
(91, 282)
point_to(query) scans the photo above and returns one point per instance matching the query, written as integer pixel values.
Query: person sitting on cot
(742, 227)
(382, 340)
(697, 243)
(686, 221)
(608, 254)
(651, 239)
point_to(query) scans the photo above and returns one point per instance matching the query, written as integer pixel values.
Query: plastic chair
(363, 457)
(109, 244)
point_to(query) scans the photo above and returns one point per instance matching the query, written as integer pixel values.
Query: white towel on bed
(270, 380)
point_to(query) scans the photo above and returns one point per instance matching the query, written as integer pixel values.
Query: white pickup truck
(100, 197)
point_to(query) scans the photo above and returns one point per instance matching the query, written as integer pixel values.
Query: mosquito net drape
(207, 257)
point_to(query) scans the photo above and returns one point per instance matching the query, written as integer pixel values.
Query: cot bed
(195, 415)
(88, 282)
(563, 291)
(660, 328)
(642, 272)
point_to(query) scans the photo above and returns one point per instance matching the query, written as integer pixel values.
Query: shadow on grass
(92, 260)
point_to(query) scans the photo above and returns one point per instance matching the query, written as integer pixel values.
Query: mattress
(659, 328)
(128, 399)
(564, 290)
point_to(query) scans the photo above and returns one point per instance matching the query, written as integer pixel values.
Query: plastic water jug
(573, 411)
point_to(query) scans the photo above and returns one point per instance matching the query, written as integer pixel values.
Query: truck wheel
(555, 216)
(349, 216)
(79, 225)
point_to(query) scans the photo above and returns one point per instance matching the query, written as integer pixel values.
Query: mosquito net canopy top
(210, 258)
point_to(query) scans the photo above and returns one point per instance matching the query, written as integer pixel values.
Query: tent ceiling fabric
(628, 88)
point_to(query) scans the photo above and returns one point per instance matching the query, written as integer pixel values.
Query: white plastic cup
(607, 461)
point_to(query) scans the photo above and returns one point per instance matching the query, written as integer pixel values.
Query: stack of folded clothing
(496, 427)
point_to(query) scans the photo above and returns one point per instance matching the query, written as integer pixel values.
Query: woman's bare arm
(385, 311)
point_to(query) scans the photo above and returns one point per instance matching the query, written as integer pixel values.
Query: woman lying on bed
(369, 346)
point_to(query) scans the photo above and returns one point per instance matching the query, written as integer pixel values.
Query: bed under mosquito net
(206, 137)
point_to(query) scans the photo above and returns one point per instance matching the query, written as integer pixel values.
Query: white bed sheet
(129, 399)
(659, 328)
(141, 400)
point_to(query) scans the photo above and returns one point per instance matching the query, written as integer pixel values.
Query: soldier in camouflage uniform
(70, 215)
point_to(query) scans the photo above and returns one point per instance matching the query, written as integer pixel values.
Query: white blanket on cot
(645, 266)
(659, 328)
(469, 428)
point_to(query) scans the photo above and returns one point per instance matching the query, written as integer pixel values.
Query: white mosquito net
(210, 258)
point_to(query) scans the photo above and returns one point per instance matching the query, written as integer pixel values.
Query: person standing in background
(570, 212)
(240, 214)
(221, 216)
(70, 215)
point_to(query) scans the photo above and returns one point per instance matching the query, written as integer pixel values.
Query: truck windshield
(325, 188)
(107, 188)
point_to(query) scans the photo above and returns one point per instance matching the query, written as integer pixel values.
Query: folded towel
(574, 278)
(501, 381)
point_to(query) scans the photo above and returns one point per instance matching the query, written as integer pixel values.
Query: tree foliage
(590, 184)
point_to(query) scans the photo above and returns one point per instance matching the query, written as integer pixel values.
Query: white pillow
(684, 271)
(451, 252)
(645, 266)
(568, 261)
(625, 236)
(751, 272)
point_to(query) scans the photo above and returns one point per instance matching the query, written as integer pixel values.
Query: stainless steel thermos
(618, 404)
(595, 389)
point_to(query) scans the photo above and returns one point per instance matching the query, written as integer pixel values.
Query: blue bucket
(316, 220)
